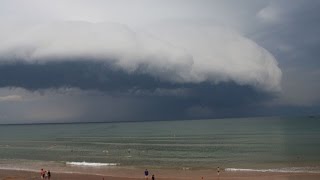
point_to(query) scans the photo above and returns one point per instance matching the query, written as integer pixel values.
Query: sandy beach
(194, 175)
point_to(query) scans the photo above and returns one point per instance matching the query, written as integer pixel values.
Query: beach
(171, 89)
(29, 175)
(247, 148)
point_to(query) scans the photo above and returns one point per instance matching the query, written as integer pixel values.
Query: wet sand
(194, 175)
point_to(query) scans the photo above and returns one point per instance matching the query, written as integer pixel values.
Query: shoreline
(11, 174)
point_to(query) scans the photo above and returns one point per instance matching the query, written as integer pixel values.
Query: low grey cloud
(10, 98)
(73, 104)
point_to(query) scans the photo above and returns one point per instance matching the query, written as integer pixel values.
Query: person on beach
(218, 170)
(49, 174)
(146, 174)
(152, 177)
(41, 174)
(45, 175)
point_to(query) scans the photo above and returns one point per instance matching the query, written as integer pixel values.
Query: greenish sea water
(279, 144)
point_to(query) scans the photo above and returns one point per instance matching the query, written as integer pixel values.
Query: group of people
(146, 175)
(45, 174)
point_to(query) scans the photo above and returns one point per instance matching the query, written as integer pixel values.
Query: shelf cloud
(106, 60)
(186, 54)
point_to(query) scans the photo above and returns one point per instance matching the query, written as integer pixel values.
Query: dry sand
(26, 175)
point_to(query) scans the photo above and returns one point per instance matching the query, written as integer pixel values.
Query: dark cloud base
(161, 100)
(82, 74)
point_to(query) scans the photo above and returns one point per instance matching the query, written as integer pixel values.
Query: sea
(264, 144)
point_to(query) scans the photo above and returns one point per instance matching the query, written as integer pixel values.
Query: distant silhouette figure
(49, 174)
(153, 177)
(146, 174)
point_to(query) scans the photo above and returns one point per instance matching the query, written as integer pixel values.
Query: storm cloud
(101, 61)
(207, 54)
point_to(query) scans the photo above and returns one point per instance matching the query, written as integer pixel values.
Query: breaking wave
(93, 164)
(279, 170)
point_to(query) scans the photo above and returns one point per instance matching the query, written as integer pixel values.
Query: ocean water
(243, 144)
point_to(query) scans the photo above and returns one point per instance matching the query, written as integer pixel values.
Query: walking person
(218, 171)
(153, 177)
(146, 174)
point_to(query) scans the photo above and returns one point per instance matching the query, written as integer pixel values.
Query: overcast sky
(126, 60)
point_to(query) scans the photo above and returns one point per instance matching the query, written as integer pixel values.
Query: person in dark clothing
(153, 177)
(49, 174)
(146, 174)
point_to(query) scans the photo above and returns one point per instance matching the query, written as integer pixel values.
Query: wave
(93, 164)
(279, 170)
(18, 169)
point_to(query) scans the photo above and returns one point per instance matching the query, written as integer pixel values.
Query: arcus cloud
(184, 54)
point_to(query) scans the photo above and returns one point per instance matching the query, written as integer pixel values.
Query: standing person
(41, 173)
(153, 177)
(218, 171)
(45, 175)
(49, 174)
(146, 174)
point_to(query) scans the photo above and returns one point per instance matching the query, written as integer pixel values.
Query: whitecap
(93, 164)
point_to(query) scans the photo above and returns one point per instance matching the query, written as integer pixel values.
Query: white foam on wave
(279, 170)
(92, 164)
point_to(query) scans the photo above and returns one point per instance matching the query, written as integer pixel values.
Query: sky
(144, 60)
